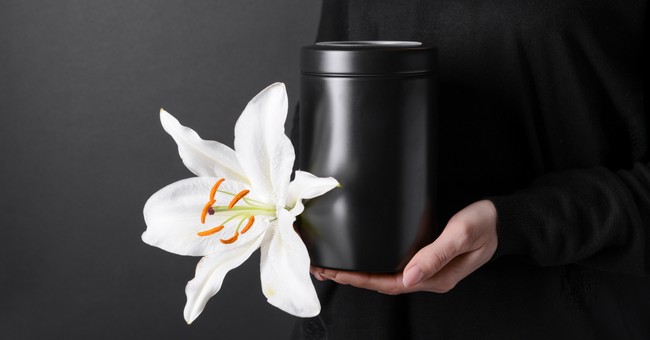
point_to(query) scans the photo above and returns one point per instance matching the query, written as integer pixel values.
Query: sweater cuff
(511, 225)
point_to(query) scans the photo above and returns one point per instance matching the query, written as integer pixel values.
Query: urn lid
(368, 58)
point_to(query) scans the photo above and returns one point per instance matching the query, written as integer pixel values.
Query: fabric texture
(541, 110)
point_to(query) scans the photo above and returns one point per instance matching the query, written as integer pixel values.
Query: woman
(544, 190)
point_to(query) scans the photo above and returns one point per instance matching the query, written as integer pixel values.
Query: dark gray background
(81, 148)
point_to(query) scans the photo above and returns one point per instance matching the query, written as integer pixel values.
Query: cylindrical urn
(368, 119)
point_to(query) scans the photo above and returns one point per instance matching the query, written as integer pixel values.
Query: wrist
(509, 219)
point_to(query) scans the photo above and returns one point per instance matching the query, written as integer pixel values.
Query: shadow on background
(81, 148)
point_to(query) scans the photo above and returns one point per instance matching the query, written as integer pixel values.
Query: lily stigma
(241, 200)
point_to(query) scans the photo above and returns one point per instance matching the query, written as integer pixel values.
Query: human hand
(468, 241)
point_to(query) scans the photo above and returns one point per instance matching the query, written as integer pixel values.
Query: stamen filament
(239, 208)
(249, 202)
(204, 212)
(237, 198)
(240, 223)
(230, 240)
(252, 205)
(210, 231)
(232, 218)
(251, 220)
(215, 187)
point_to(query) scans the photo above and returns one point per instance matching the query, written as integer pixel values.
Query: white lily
(241, 200)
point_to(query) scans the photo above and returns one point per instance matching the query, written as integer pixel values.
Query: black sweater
(541, 110)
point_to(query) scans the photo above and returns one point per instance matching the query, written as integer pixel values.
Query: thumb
(429, 260)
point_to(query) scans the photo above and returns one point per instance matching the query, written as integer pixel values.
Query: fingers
(450, 275)
(435, 268)
(383, 283)
(316, 272)
(432, 258)
(468, 241)
(441, 282)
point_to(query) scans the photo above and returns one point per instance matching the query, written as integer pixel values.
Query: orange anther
(237, 198)
(215, 187)
(251, 220)
(205, 210)
(230, 240)
(211, 231)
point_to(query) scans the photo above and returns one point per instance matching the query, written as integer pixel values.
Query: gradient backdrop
(81, 149)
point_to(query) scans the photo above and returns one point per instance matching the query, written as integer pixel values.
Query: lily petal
(173, 218)
(306, 186)
(285, 270)
(264, 151)
(210, 272)
(202, 157)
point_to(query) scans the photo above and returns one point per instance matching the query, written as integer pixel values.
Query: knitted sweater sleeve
(595, 217)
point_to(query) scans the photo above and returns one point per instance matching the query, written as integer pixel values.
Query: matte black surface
(374, 134)
(82, 149)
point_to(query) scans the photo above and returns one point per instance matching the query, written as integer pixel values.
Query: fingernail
(326, 275)
(412, 276)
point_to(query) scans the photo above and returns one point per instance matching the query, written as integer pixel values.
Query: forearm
(595, 217)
